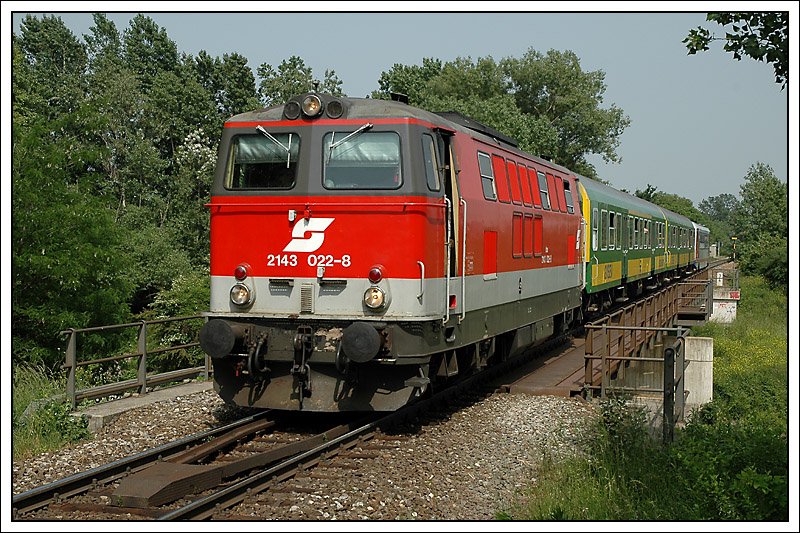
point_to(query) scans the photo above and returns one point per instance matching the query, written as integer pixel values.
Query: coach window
(568, 197)
(618, 222)
(487, 176)
(361, 160)
(594, 229)
(543, 190)
(612, 230)
(603, 229)
(636, 233)
(431, 165)
(263, 161)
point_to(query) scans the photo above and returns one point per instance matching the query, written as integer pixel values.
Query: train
(365, 252)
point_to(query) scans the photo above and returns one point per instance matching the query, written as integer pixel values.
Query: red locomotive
(363, 251)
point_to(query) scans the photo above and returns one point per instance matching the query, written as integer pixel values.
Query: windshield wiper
(269, 136)
(363, 128)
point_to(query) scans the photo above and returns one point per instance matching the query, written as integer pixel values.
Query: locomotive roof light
(312, 105)
(374, 298)
(291, 110)
(334, 109)
(241, 294)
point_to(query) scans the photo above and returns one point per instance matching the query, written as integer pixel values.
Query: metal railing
(644, 334)
(143, 380)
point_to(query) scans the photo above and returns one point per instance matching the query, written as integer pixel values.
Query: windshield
(368, 160)
(263, 161)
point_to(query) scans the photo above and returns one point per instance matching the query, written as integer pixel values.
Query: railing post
(588, 364)
(70, 363)
(680, 393)
(604, 373)
(669, 394)
(142, 369)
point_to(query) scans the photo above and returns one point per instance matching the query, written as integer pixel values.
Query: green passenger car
(629, 243)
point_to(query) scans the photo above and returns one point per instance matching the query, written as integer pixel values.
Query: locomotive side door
(456, 228)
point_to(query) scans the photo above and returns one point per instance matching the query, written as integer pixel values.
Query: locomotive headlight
(374, 298)
(241, 294)
(312, 105)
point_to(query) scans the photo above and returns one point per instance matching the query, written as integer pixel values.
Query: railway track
(199, 476)
(206, 474)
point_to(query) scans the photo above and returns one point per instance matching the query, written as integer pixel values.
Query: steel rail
(207, 506)
(40, 496)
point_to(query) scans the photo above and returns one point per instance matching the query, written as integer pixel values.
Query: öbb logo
(316, 227)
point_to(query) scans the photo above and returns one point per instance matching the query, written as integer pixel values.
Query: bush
(730, 462)
(47, 425)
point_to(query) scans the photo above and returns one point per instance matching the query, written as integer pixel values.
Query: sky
(698, 123)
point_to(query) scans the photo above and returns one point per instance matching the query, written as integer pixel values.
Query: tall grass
(730, 462)
(49, 425)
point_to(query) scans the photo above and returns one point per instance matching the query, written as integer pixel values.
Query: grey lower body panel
(408, 357)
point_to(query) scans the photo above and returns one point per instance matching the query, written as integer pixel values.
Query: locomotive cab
(331, 240)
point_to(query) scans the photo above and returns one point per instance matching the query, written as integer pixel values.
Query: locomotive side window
(487, 176)
(538, 235)
(516, 235)
(553, 196)
(562, 201)
(361, 160)
(501, 180)
(514, 179)
(260, 162)
(537, 200)
(526, 185)
(527, 235)
(543, 190)
(594, 229)
(431, 165)
(568, 197)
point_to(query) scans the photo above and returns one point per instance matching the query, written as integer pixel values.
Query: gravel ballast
(466, 466)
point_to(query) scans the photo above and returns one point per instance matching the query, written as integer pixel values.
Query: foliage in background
(731, 460)
(545, 101)
(115, 140)
(760, 36)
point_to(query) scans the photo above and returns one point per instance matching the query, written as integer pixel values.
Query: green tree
(720, 212)
(69, 257)
(555, 87)
(148, 50)
(648, 194)
(761, 36)
(293, 77)
(762, 225)
(229, 80)
(547, 102)
(55, 64)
